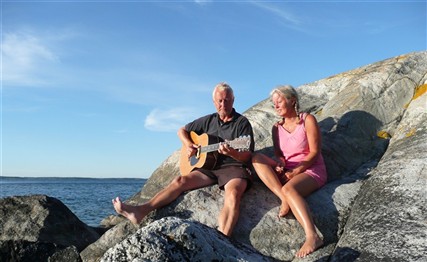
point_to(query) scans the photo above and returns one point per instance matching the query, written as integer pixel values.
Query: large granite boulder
(39, 227)
(372, 121)
(373, 124)
(388, 220)
(175, 239)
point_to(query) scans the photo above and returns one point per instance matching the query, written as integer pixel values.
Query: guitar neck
(238, 143)
(209, 148)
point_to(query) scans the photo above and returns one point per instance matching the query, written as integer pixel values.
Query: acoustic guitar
(206, 155)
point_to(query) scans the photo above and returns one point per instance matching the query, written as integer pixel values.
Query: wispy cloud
(287, 17)
(32, 56)
(169, 120)
(23, 54)
(203, 2)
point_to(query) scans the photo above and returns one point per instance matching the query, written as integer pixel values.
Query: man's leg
(233, 192)
(178, 185)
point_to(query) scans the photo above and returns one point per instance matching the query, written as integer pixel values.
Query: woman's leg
(178, 185)
(263, 166)
(294, 191)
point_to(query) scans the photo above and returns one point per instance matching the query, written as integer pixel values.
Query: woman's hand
(281, 172)
(290, 174)
(279, 168)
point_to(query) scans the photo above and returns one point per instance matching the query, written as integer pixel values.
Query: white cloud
(23, 55)
(169, 120)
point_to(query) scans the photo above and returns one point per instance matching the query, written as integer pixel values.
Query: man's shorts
(225, 173)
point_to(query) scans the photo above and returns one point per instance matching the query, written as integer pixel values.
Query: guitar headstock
(243, 143)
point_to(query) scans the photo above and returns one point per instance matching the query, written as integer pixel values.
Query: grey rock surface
(373, 208)
(358, 112)
(175, 239)
(39, 226)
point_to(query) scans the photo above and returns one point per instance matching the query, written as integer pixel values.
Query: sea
(88, 198)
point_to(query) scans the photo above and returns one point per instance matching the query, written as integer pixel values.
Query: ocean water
(88, 198)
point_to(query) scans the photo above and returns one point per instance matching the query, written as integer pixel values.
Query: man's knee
(234, 193)
(179, 181)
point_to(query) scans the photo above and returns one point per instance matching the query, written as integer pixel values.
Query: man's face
(223, 102)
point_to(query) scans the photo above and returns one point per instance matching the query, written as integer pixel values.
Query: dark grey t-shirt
(211, 124)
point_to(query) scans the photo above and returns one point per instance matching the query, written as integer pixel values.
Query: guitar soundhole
(193, 160)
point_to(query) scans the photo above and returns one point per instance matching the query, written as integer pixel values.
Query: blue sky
(99, 88)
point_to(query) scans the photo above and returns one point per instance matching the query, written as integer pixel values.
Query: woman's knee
(288, 190)
(259, 160)
(256, 157)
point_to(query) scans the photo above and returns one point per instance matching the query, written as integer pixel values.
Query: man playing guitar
(229, 169)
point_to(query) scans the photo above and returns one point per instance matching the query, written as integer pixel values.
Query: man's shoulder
(237, 115)
(208, 116)
(241, 118)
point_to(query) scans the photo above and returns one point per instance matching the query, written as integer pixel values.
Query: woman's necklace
(290, 125)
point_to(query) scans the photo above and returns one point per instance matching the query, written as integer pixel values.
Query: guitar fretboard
(236, 144)
(209, 148)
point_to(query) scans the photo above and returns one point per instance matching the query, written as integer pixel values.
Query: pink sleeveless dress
(294, 147)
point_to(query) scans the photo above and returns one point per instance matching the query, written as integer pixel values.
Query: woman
(298, 168)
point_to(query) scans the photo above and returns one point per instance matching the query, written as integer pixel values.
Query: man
(230, 171)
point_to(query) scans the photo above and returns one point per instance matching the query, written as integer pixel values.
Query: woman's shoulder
(305, 115)
(309, 120)
(279, 122)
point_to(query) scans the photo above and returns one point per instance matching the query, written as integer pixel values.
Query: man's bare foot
(133, 213)
(310, 245)
(284, 209)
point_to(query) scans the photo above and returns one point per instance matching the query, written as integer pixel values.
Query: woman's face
(282, 105)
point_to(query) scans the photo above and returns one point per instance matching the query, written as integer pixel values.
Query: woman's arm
(281, 161)
(276, 144)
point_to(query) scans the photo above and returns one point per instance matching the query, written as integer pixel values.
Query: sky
(100, 88)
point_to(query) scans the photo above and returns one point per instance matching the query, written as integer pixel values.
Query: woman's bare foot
(134, 213)
(310, 245)
(284, 209)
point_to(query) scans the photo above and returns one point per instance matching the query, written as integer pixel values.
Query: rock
(175, 239)
(113, 236)
(351, 108)
(32, 226)
(388, 219)
(373, 208)
(21, 250)
(69, 254)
